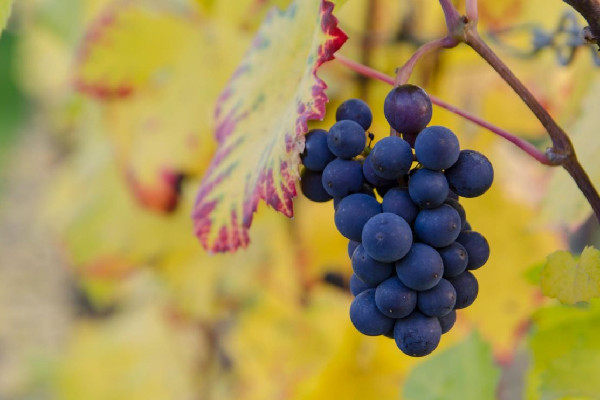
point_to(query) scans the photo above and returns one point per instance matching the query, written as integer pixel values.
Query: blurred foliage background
(106, 294)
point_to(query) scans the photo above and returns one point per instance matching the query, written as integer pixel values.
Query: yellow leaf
(261, 118)
(570, 280)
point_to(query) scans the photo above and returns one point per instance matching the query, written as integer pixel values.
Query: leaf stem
(520, 143)
(403, 73)
(453, 18)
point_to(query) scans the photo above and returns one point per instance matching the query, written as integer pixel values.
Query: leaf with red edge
(261, 119)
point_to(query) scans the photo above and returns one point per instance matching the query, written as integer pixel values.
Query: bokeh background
(105, 293)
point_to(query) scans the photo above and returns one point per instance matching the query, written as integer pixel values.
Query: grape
(316, 153)
(346, 139)
(437, 301)
(369, 270)
(394, 299)
(387, 237)
(438, 227)
(355, 110)
(311, 185)
(476, 246)
(460, 210)
(466, 287)
(352, 245)
(467, 226)
(353, 212)
(366, 317)
(428, 188)
(410, 138)
(407, 109)
(417, 335)
(452, 195)
(357, 285)
(437, 148)
(342, 177)
(447, 321)
(391, 157)
(421, 269)
(398, 201)
(373, 178)
(471, 175)
(455, 259)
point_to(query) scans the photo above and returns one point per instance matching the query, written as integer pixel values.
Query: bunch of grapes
(413, 252)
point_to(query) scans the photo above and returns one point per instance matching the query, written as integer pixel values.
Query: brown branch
(590, 10)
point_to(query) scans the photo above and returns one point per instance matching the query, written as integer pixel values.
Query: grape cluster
(412, 252)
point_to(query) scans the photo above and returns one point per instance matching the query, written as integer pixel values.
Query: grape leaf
(5, 7)
(570, 280)
(261, 118)
(565, 353)
(465, 371)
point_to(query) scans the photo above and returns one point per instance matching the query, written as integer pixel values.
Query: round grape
(466, 287)
(391, 157)
(428, 188)
(460, 210)
(437, 301)
(398, 201)
(387, 237)
(369, 270)
(346, 139)
(455, 259)
(366, 317)
(352, 245)
(476, 246)
(472, 175)
(421, 269)
(311, 185)
(316, 153)
(417, 335)
(353, 212)
(357, 285)
(342, 177)
(355, 110)
(438, 227)
(447, 321)
(407, 109)
(394, 299)
(373, 178)
(437, 148)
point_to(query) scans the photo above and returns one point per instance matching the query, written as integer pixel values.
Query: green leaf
(565, 353)
(465, 371)
(261, 120)
(570, 280)
(5, 8)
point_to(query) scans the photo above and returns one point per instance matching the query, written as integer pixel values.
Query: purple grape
(472, 175)
(353, 212)
(438, 227)
(398, 201)
(428, 188)
(369, 270)
(311, 185)
(477, 248)
(316, 153)
(455, 259)
(391, 157)
(417, 335)
(466, 287)
(373, 178)
(447, 321)
(366, 317)
(355, 110)
(437, 301)
(357, 285)
(387, 237)
(352, 245)
(421, 269)
(437, 148)
(394, 299)
(346, 139)
(460, 210)
(407, 109)
(342, 177)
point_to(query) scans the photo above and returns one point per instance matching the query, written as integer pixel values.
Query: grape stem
(590, 10)
(562, 153)
(403, 73)
(520, 143)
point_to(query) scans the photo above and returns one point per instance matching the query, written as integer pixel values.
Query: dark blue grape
(357, 285)
(438, 227)
(455, 259)
(387, 237)
(437, 148)
(398, 201)
(311, 185)
(342, 177)
(417, 335)
(422, 268)
(369, 270)
(391, 157)
(346, 139)
(352, 245)
(316, 153)
(428, 188)
(437, 301)
(477, 248)
(355, 110)
(472, 175)
(373, 178)
(366, 317)
(394, 299)
(460, 210)
(407, 109)
(466, 287)
(447, 321)
(352, 214)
